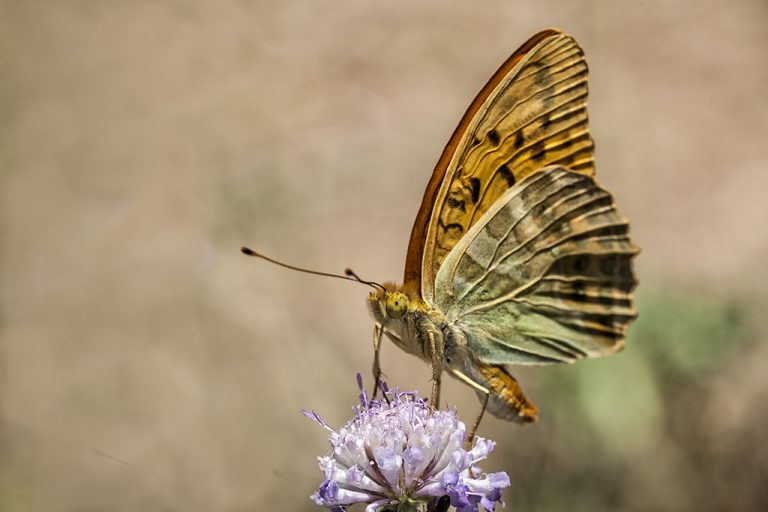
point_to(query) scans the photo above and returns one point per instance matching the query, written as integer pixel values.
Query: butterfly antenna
(250, 252)
(373, 284)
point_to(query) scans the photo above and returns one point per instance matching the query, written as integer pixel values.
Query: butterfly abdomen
(507, 398)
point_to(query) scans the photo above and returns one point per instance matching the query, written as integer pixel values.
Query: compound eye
(397, 305)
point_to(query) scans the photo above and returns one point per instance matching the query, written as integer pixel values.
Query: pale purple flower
(398, 453)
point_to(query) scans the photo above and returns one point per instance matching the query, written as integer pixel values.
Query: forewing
(544, 276)
(532, 113)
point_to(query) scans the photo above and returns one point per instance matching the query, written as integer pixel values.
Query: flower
(399, 453)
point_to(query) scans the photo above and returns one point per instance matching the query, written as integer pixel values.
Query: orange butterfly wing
(530, 114)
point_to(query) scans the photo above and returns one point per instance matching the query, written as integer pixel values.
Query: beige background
(147, 365)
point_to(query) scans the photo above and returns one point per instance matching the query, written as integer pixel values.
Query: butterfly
(517, 255)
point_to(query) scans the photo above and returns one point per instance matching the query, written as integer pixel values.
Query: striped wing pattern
(535, 117)
(544, 276)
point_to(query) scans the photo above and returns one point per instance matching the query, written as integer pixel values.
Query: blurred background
(145, 364)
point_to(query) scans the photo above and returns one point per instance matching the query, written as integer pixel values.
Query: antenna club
(247, 251)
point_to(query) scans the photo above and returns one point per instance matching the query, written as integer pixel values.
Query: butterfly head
(388, 304)
(397, 304)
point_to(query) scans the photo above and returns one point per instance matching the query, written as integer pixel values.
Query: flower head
(398, 452)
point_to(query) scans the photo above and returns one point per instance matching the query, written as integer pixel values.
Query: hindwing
(544, 276)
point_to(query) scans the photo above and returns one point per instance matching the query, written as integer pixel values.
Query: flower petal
(400, 451)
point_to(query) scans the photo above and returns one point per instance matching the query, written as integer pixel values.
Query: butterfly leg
(378, 330)
(437, 371)
(466, 380)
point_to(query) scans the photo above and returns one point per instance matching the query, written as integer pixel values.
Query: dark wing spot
(452, 225)
(456, 203)
(493, 137)
(538, 152)
(546, 122)
(581, 263)
(519, 139)
(506, 173)
(475, 183)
